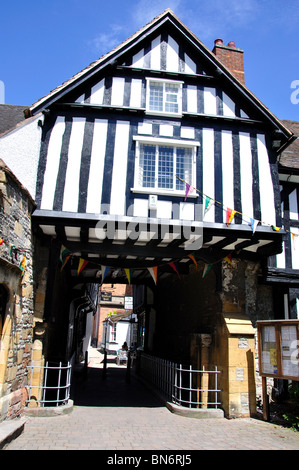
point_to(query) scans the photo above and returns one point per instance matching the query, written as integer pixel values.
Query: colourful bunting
(1, 241)
(208, 203)
(128, 274)
(228, 258)
(189, 190)
(174, 268)
(193, 259)
(104, 272)
(153, 272)
(230, 213)
(65, 261)
(82, 264)
(206, 269)
(276, 229)
(254, 224)
(22, 266)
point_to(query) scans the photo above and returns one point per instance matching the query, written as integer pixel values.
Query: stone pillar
(234, 345)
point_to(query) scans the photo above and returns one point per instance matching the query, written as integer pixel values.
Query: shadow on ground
(92, 388)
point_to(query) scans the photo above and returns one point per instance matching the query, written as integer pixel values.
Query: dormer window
(164, 97)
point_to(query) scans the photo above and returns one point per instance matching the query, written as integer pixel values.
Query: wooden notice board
(278, 348)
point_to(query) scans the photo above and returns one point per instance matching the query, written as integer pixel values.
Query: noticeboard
(278, 348)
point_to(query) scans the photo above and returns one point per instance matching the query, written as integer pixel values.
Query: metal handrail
(181, 384)
(60, 381)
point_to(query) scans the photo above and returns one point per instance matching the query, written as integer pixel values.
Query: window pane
(156, 96)
(171, 100)
(165, 168)
(147, 166)
(183, 167)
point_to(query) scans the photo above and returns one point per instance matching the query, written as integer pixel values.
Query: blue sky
(45, 42)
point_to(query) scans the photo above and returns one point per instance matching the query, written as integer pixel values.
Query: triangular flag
(82, 264)
(189, 190)
(276, 229)
(228, 258)
(230, 213)
(65, 261)
(294, 240)
(1, 241)
(206, 270)
(128, 274)
(153, 271)
(174, 268)
(22, 266)
(208, 203)
(104, 271)
(63, 253)
(254, 224)
(193, 259)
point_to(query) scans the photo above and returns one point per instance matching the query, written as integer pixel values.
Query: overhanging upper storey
(159, 133)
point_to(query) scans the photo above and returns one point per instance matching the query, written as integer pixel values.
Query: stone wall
(16, 276)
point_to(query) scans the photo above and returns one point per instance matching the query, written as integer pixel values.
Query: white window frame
(113, 333)
(164, 82)
(170, 143)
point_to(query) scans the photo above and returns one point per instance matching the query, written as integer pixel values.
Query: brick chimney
(231, 57)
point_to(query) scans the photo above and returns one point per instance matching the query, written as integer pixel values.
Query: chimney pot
(231, 44)
(218, 41)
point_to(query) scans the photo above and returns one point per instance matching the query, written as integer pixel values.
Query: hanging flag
(193, 259)
(63, 253)
(189, 190)
(104, 271)
(228, 258)
(208, 203)
(82, 264)
(276, 229)
(230, 213)
(153, 272)
(294, 240)
(65, 261)
(22, 266)
(254, 224)
(173, 265)
(128, 274)
(206, 269)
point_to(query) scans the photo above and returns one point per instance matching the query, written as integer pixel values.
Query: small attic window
(164, 97)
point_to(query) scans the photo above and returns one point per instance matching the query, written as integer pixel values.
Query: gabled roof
(112, 56)
(290, 157)
(10, 116)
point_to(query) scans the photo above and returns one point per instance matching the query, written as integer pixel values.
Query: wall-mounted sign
(106, 296)
(278, 346)
(128, 303)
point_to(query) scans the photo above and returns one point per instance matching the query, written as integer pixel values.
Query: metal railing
(49, 385)
(181, 385)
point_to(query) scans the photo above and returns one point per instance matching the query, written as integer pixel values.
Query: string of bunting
(14, 252)
(230, 213)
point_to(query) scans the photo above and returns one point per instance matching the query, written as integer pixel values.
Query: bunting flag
(175, 269)
(82, 264)
(230, 213)
(64, 252)
(104, 271)
(22, 266)
(128, 274)
(206, 269)
(208, 203)
(254, 224)
(228, 258)
(153, 273)
(294, 240)
(1, 241)
(65, 261)
(276, 229)
(193, 259)
(189, 190)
